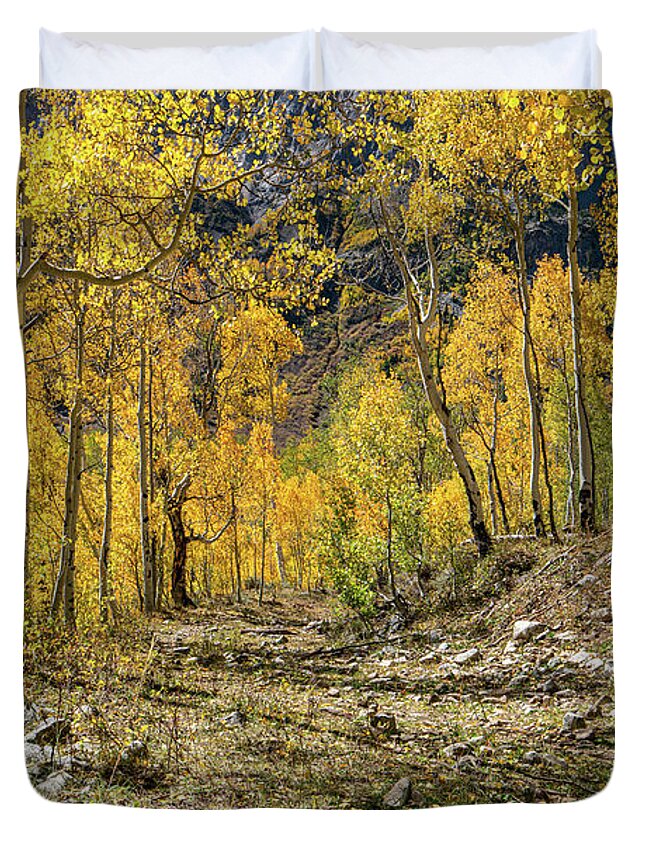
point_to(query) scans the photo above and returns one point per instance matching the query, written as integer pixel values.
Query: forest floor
(236, 705)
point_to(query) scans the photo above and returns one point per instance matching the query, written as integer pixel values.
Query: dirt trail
(241, 706)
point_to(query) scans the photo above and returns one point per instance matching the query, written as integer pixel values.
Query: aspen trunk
(586, 497)
(571, 509)
(450, 434)
(529, 381)
(144, 503)
(263, 552)
(106, 539)
(419, 322)
(174, 508)
(390, 562)
(236, 547)
(65, 587)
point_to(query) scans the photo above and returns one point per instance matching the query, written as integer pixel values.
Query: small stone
(52, 730)
(593, 664)
(333, 691)
(181, 650)
(428, 657)
(383, 723)
(587, 734)
(455, 750)
(467, 656)
(572, 721)
(435, 636)
(236, 718)
(524, 630)
(587, 580)
(549, 686)
(54, 784)
(510, 647)
(134, 753)
(443, 647)
(398, 795)
(602, 614)
(554, 761)
(609, 667)
(532, 757)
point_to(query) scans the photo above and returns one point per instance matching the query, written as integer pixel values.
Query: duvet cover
(319, 412)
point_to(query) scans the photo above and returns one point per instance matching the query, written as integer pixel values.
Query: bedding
(319, 412)
(571, 61)
(284, 62)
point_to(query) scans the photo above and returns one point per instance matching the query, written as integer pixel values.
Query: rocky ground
(239, 706)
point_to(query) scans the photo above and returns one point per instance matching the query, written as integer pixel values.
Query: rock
(553, 760)
(52, 730)
(428, 657)
(435, 636)
(524, 630)
(456, 750)
(443, 647)
(587, 580)
(510, 647)
(467, 656)
(397, 623)
(383, 723)
(549, 686)
(32, 713)
(236, 718)
(34, 754)
(593, 664)
(181, 650)
(333, 691)
(134, 753)
(609, 667)
(518, 681)
(580, 657)
(587, 734)
(398, 795)
(54, 784)
(532, 757)
(572, 722)
(602, 614)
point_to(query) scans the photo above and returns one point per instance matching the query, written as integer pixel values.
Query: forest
(335, 364)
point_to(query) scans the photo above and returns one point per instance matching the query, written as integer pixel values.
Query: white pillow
(564, 62)
(285, 62)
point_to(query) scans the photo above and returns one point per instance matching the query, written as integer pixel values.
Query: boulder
(525, 629)
(398, 795)
(51, 730)
(54, 784)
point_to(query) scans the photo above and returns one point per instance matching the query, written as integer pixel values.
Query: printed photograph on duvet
(319, 502)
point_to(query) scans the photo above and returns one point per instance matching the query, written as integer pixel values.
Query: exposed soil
(290, 705)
